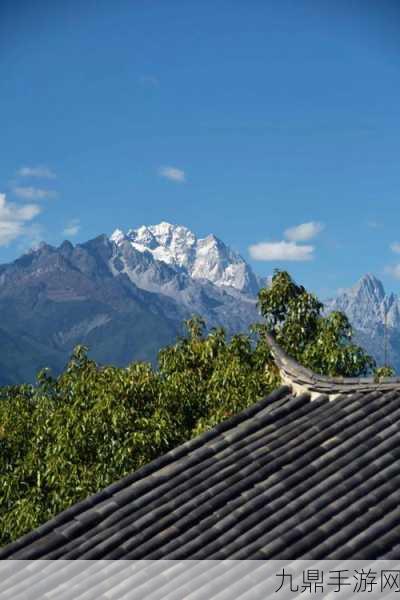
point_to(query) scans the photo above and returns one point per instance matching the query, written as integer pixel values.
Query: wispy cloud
(374, 224)
(33, 193)
(281, 251)
(13, 219)
(39, 171)
(72, 228)
(172, 173)
(289, 250)
(149, 81)
(393, 271)
(395, 247)
(303, 232)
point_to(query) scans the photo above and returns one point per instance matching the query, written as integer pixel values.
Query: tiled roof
(300, 378)
(288, 478)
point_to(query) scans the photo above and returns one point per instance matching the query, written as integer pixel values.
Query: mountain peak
(202, 258)
(66, 248)
(40, 248)
(370, 277)
(117, 236)
(370, 285)
(66, 245)
(366, 304)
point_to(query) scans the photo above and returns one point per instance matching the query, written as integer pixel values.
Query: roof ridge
(303, 379)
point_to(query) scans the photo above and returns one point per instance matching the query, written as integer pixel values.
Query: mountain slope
(367, 305)
(121, 299)
(201, 258)
(169, 260)
(54, 299)
(126, 296)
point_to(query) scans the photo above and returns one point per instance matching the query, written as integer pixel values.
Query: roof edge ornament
(301, 379)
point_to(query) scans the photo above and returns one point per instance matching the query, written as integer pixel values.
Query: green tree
(382, 372)
(321, 343)
(68, 437)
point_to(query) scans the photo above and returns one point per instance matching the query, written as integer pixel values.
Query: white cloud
(173, 174)
(9, 231)
(39, 171)
(393, 271)
(13, 219)
(395, 247)
(303, 232)
(72, 228)
(281, 251)
(32, 193)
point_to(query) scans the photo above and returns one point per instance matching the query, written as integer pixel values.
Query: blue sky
(273, 125)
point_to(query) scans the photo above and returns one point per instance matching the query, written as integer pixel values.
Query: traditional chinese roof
(302, 379)
(290, 477)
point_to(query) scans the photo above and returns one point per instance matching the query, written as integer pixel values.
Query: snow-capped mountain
(367, 306)
(200, 258)
(203, 276)
(124, 297)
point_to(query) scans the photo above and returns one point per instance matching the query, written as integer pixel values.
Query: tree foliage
(321, 343)
(382, 372)
(70, 436)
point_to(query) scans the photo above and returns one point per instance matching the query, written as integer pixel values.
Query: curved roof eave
(302, 379)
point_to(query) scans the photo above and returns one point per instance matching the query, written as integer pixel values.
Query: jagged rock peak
(371, 285)
(202, 258)
(66, 247)
(118, 236)
(39, 247)
(367, 305)
(169, 243)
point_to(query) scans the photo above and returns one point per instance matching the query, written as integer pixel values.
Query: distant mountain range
(126, 296)
(367, 305)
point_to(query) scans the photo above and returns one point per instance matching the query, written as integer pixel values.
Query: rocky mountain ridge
(124, 297)
(200, 258)
(368, 307)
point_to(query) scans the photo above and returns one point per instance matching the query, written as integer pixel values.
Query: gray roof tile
(288, 478)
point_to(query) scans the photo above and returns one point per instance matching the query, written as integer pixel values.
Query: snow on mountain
(172, 244)
(127, 294)
(124, 296)
(201, 258)
(203, 276)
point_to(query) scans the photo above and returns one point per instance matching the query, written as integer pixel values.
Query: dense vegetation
(321, 343)
(67, 437)
(72, 435)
